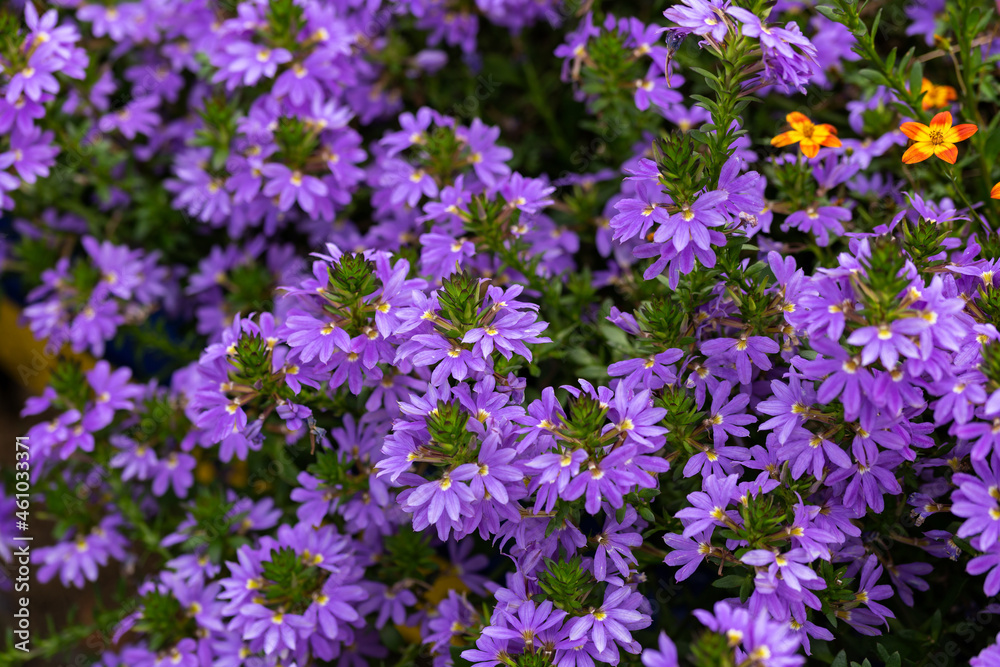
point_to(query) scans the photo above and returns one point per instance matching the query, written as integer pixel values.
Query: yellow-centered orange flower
(938, 139)
(809, 137)
(995, 192)
(936, 96)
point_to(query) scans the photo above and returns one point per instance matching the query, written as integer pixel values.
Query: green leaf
(730, 581)
(746, 589)
(712, 76)
(936, 623)
(893, 660)
(890, 59)
(831, 13)
(878, 19)
(916, 77)
(905, 62)
(840, 660)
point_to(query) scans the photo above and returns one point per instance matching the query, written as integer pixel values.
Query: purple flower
(809, 452)
(652, 372)
(174, 471)
(244, 63)
(278, 630)
(293, 187)
(888, 341)
(112, 392)
(602, 481)
(665, 656)
(78, 559)
(489, 652)
(527, 623)
(442, 503)
(635, 416)
(745, 351)
(726, 418)
(33, 81)
(615, 544)
(987, 562)
(989, 656)
(316, 338)
(709, 506)
(868, 592)
(759, 638)
(818, 221)
(701, 17)
(687, 553)
(790, 565)
(869, 480)
(488, 159)
(612, 620)
(845, 377)
(31, 154)
(691, 224)
(528, 195)
(508, 334)
(977, 500)
(136, 117)
(787, 407)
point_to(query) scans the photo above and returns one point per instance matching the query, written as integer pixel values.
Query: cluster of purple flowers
(83, 303)
(47, 47)
(428, 429)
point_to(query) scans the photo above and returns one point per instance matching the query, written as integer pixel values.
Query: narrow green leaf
(729, 581)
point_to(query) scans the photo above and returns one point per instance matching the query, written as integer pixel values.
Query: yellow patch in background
(438, 591)
(26, 359)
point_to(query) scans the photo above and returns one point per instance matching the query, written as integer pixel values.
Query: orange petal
(947, 152)
(941, 121)
(918, 153)
(829, 128)
(796, 119)
(809, 148)
(786, 138)
(832, 142)
(916, 131)
(960, 132)
(925, 85)
(995, 192)
(928, 102)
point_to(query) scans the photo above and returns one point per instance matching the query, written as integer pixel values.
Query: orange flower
(936, 96)
(995, 192)
(938, 139)
(809, 137)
